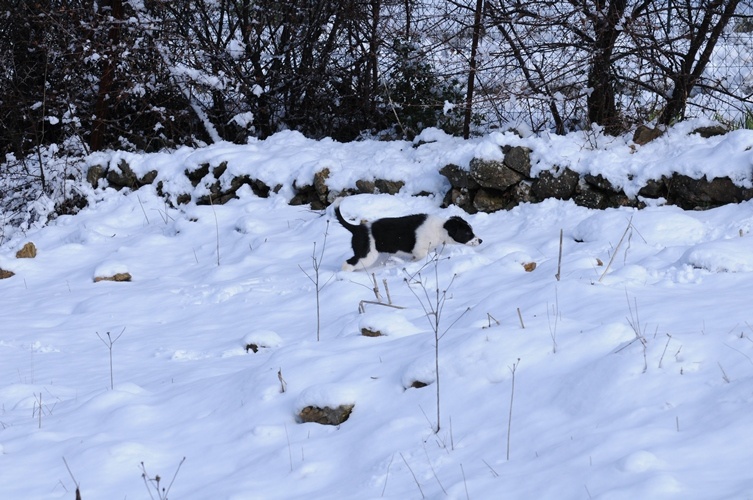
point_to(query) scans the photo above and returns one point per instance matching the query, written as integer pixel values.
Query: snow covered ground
(633, 373)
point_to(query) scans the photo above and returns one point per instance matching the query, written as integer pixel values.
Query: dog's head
(460, 231)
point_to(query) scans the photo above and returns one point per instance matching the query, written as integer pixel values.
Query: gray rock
(195, 176)
(599, 182)
(326, 415)
(488, 200)
(494, 174)
(690, 193)
(518, 158)
(561, 186)
(711, 131)
(94, 174)
(388, 187)
(365, 187)
(653, 189)
(645, 134)
(590, 198)
(123, 176)
(459, 178)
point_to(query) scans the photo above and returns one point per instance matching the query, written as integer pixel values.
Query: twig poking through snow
(109, 343)
(489, 319)
(494, 472)
(376, 288)
(669, 338)
(161, 493)
(553, 326)
(78, 487)
(362, 304)
(433, 471)
(512, 396)
(465, 483)
(290, 451)
(315, 279)
(216, 228)
(433, 308)
(559, 260)
(635, 323)
(414, 476)
(387, 291)
(616, 249)
(520, 317)
(387, 476)
(724, 374)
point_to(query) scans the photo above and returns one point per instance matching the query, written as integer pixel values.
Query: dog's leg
(420, 253)
(359, 263)
(364, 262)
(423, 249)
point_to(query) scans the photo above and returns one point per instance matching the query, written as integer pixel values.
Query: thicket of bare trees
(87, 75)
(620, 62)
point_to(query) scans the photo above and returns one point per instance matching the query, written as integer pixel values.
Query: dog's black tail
(347, 225)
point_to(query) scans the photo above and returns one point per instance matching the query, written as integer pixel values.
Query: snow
(244, 120)
(632, 377)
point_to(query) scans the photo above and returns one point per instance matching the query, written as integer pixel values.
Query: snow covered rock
(114, 277)
(326, 404)
(261, 339)
(109, 271)
(326, 415)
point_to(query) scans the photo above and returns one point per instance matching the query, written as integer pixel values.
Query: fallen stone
(326, 415)
(115, 277)
(28, 251)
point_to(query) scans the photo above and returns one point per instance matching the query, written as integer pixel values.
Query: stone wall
(500, 185)
(486, 186)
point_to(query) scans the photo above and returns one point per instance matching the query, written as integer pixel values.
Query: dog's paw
(348, 267)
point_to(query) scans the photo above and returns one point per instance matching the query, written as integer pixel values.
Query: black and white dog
(415, 234)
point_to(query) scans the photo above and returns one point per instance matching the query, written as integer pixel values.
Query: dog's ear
(458, 229)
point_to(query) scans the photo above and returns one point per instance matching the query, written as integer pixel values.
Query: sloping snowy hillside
(630, 376)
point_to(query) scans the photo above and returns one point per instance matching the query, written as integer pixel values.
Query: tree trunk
(601, 101)
(103, 106)
(693, 64)
(472, 69)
